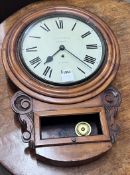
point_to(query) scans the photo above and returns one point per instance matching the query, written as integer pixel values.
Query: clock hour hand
(77, 58)
(50, 58)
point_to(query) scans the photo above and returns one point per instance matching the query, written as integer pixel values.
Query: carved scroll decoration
(111, 99)
(22, 105)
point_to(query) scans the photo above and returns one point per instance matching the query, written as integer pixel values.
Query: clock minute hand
(77, 58)
(50, 58)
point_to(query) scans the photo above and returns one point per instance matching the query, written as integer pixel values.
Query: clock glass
(62, 49)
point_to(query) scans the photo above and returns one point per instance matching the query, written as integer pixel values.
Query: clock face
(61, 50)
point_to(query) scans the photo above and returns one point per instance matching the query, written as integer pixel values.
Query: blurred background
(8, 7)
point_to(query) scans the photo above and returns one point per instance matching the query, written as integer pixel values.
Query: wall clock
(62, 60)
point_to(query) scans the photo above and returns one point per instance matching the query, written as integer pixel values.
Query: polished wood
(65, 95)
(54, 126)
(55, 94)
(88, 153)
(117, 161)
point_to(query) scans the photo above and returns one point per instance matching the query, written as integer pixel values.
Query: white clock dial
(62, 50)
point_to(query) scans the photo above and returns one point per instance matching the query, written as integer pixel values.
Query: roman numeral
(73, 26)
(86, 34)
(32, 49)
(81, 70)
(59, 24)
(36, 61)
(45, 27)
(89, 59)
(92, 46)
(48, 70)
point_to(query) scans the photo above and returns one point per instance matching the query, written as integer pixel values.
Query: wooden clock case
(38, 104)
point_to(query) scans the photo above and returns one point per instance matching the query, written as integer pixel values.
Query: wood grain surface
(76, 94)
(14, 154)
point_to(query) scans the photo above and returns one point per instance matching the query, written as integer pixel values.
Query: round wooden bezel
(57, 94)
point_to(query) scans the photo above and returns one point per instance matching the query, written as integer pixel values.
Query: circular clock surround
(57, 94)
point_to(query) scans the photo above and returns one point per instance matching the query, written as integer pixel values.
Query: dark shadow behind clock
(8, 7)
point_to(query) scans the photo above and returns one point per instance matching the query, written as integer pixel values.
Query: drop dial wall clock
(62, 60)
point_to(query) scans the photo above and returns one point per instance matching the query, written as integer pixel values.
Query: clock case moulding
(37, 102)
